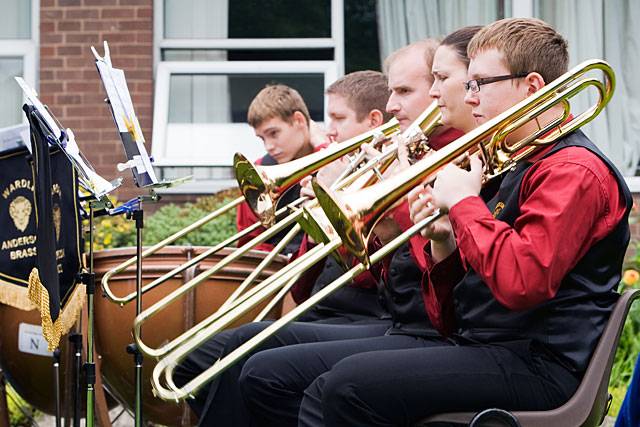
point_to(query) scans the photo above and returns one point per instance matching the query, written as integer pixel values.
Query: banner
(40, 241)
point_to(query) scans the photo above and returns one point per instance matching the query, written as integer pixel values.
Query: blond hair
(364, 92)
(527, 44)
(276, 101)
(426, 47)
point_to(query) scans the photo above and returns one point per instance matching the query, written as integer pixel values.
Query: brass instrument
(354, 215)
(263, 185)
(310, 218)
(285, 175)
(366, 206)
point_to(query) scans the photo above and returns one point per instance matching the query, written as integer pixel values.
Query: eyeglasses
(474, 85)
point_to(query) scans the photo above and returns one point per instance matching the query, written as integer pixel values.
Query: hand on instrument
(454, 184)
(305, 188)
(329, 173)
(403, 152)
(420, 207)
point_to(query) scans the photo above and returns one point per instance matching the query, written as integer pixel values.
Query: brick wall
(69, 81)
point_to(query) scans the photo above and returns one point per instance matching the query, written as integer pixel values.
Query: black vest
(402, 296)
(569, 325)
(291, 195)
(348, 302)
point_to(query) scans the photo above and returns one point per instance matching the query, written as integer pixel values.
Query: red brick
(50, 88)
(101, 2)
(81, 13)
(64, 26)
(47, 27)
(46, 63)
(136, 2)
(65, 3)
(144, 12)
(83, 86)
(66, 50)
(50, 38)
(68, 75)
(83, 38)
(136, 25)
(145, 37)
(50, 14)
(118, 13)
(47, 51)
(46, 75)
(67, 99)
(76, 62)
(136, 50)
(107, 25)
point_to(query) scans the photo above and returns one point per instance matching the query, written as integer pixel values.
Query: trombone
(310, 218)
(354, 217)
(277, 179)
(500, 156)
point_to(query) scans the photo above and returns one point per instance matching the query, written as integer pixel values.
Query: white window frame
(167, 69)
(331, 70)
(26, 49)
(336, 41)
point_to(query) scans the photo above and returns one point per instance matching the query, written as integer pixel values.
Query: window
(605, 30)
(213, 56)
(18, 32)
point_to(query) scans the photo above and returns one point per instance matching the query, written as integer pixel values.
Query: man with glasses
(521, 284)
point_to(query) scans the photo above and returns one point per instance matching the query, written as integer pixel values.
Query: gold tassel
(68, 316)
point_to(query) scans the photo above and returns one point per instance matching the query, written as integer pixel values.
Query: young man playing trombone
(355, 105)
(522, 284)
(280, 118)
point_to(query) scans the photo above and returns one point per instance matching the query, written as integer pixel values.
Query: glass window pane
(247, 55)
(15, 19)
(11, 99)
(194, 19)
(225, 99)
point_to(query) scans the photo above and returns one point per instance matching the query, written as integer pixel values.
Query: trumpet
(500, 156)
(310, 218)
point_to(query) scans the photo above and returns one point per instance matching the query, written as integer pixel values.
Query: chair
(589, 405)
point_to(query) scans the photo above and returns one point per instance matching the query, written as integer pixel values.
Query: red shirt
(568, 201)
(400, 213)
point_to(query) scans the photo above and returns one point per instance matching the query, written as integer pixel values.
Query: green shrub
(16, 417)
(118, 231)
(629, 346)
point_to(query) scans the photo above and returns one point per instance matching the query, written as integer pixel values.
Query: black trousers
(225, 405)
(393, 380)
(207, 354)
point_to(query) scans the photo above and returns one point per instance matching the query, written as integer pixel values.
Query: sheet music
(115, 85)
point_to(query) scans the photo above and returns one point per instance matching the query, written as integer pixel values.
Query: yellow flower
(630, 277)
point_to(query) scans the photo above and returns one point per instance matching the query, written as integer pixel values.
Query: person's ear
(534, 82)
(375, 118)
(300, 120)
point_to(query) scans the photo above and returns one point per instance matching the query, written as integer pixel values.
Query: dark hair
(459, 40)
(364, 91)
